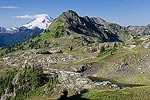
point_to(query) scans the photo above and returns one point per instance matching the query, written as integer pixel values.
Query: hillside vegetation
(78, 58)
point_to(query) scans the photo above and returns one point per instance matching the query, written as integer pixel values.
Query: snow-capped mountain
(12, 30)
(41, 21)
(8, 30)
(10, 36)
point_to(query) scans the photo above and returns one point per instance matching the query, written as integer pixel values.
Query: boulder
(81, 69)
(44, 52)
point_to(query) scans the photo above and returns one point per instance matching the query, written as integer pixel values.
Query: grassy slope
(104, 62)
(136, 76)
(135, 93)
(139, 93)
(1, 72)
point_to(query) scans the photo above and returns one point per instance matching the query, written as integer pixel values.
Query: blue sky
(123, 12)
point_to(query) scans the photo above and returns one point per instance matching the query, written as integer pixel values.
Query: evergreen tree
(115, 46)
(102, 50)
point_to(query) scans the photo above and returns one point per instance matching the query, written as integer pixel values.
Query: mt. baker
(10, 36)
(41, 21)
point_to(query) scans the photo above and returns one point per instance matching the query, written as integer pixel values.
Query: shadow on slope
(77, 96)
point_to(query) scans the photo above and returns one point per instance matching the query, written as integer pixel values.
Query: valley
(78, 58)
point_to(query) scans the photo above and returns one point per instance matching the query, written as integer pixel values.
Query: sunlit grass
(138, 93)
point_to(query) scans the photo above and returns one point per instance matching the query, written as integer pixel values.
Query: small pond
(120, 85)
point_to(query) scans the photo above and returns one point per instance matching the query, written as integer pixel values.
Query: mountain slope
(94, 28)
(75, 30)
(141, 30)
(77, 55)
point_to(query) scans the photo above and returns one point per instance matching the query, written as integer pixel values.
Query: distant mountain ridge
(10, 36)
(70, 23)
(20, 35)
(141, 30)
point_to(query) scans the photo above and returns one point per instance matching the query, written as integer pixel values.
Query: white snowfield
(41, 21)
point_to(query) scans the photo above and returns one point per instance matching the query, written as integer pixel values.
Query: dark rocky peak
(117, 27)
(99, 21)
(95, 20)
(87, 18)
(70, 16)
